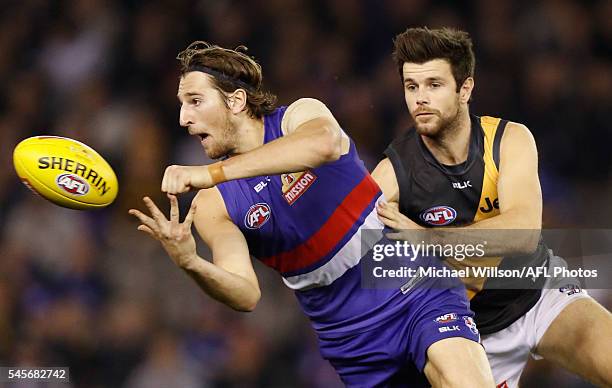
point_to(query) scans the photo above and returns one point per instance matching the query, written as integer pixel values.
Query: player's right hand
(175, 237)
(181, 179)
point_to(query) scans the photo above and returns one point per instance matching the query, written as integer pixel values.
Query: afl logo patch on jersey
(257, 215)
(439, 215)
(446, 318)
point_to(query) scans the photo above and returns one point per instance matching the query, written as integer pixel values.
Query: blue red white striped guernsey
(307, 226)
(298, 223)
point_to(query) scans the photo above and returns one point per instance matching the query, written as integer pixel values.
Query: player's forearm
(228, 288)
(298, 151)
(506, 234)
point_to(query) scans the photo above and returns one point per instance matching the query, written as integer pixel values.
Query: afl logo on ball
(257, 215)
(72, 184)
(439, 215)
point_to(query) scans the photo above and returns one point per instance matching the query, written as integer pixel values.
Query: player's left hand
(181, 179)
(390, 215)
(175, 236)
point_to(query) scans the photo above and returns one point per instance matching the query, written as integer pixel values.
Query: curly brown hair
(231, 70)
(419, 45)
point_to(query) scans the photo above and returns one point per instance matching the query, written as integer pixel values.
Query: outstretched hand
(175, 237)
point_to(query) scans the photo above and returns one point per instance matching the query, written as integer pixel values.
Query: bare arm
(312, 137)
(230, 278)
(518, 186)
(516, 229)
(312, 144)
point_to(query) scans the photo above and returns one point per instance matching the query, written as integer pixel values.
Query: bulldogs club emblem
(469, 322)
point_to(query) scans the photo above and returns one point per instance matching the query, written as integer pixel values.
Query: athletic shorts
(508, 350)
(394, 354)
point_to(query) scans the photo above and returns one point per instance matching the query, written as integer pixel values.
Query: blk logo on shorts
(257, 215)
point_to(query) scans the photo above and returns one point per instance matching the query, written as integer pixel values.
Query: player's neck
(249, 134)
(452, 146)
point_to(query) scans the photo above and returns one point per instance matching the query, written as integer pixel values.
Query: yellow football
(66, 172)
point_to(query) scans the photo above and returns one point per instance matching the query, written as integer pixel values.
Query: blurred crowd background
(87, 291)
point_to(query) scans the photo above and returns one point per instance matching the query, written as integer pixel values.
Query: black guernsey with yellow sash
(434, 195)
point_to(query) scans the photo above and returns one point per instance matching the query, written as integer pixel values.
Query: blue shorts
(394, 354)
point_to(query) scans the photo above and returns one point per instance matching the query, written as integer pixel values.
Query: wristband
(216, 173)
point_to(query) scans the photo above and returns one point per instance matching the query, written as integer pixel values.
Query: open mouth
(203, 136)
(424, 115)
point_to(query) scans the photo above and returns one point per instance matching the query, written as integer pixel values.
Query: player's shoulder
(385, 177)
(212, 220)
(517, 133)
(383, 170)
(303, 110)
(517, 127)
(307, 108)
(210, 204)
(306, 103)
(209, 195)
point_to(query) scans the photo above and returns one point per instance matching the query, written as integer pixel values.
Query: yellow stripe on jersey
(489, 203)
(488, 207)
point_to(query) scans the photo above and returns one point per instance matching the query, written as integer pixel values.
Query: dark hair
(419, 45)
(231, 70)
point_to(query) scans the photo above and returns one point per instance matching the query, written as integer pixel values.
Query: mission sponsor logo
(439, 215)
(72, 183)
(296, 184)
(257, 215)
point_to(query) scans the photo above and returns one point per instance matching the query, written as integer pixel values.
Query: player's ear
(466, 90)
(237, 101)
